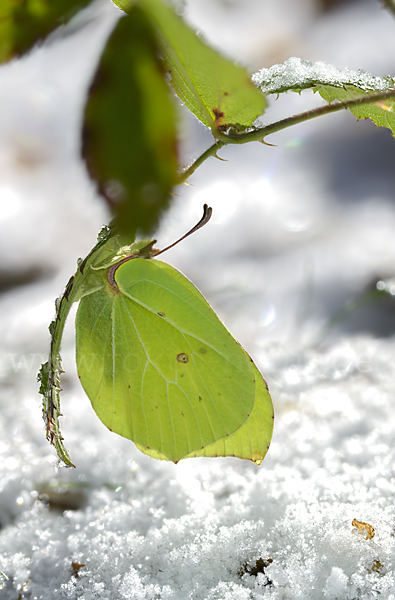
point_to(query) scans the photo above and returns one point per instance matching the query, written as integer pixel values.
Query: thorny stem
(184, 175)
(49, 375)
(258, 134)
(51, 406)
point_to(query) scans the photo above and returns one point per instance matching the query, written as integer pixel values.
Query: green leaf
(297, 74)
(162, 370)
(382, 112)
(26, 22)
(129, 134)
(217, 92)
(332, 84)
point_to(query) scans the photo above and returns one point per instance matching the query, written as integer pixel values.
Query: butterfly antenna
(207, 212)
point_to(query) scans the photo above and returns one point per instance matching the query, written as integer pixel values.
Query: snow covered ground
(299, 230)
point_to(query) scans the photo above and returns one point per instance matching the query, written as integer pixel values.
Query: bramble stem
(49, 374)
(258, 134)
(184, 175)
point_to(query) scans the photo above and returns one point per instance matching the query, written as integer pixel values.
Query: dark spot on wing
(182, 357)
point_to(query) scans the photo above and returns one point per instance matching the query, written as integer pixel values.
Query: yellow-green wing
(158, 365)
(252, 440)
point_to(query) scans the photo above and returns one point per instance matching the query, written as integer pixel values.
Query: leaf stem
(258, 134)
(261, 132)
(212, 151)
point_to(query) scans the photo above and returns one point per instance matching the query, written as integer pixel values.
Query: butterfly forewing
(175, 380)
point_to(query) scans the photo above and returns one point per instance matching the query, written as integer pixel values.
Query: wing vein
(153, 365)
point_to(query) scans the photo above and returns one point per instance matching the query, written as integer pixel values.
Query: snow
(297, 74)
(309, 228)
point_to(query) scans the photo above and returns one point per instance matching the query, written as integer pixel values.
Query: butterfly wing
(159, 366)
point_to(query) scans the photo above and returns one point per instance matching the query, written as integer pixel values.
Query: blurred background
(298, 228)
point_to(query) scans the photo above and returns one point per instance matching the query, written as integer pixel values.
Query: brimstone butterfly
(161, 369)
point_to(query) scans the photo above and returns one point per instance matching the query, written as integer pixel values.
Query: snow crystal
(336, 584)
(297, 74)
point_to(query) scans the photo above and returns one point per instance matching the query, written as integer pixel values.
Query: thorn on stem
(267, 143)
